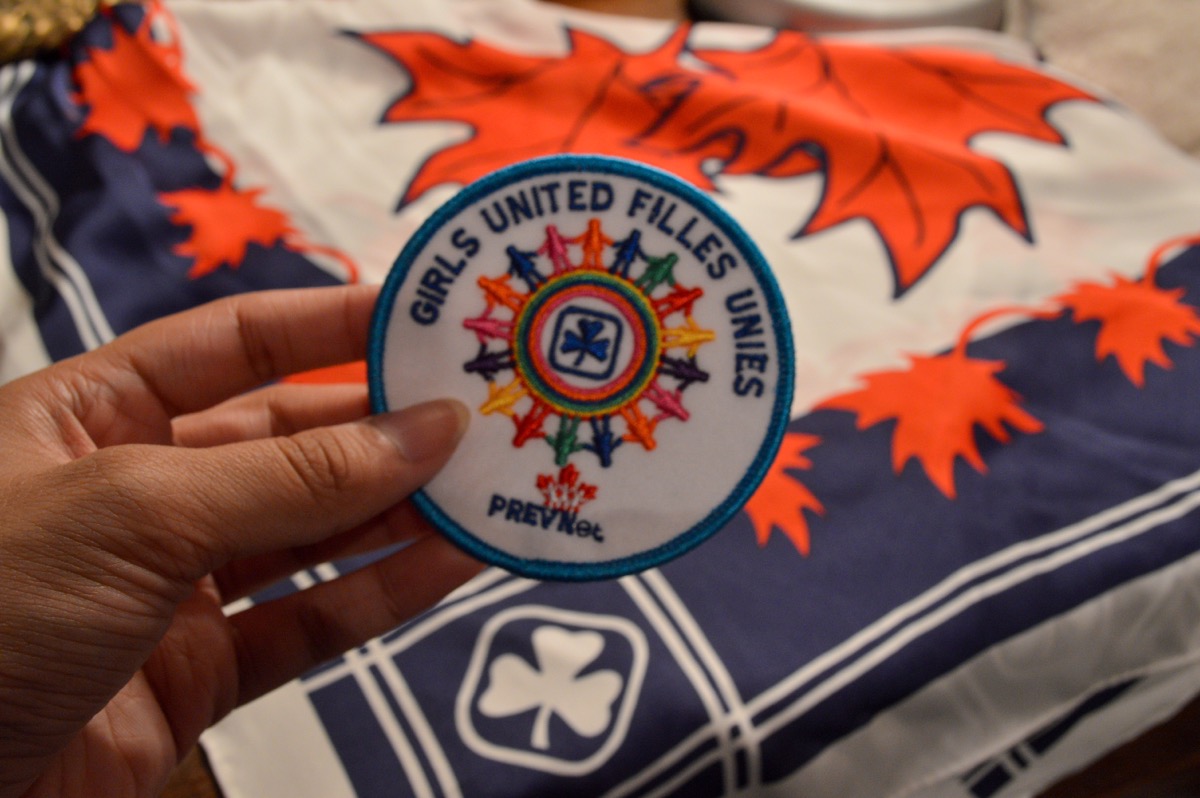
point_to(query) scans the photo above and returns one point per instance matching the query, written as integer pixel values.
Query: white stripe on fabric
(1016, 689)
(359, 667)
(693, 670)
(439, 763)
(21, 347)
(898, 628)
(737, 713)
(357, 664)
(972, 584)
(901, 632)
(57, 265)
(974, 596)
(437, 619)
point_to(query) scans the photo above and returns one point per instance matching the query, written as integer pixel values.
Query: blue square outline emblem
(604, 369)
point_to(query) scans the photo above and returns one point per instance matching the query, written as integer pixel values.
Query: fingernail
(425, 430)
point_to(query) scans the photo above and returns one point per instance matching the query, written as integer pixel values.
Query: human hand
(137, 499)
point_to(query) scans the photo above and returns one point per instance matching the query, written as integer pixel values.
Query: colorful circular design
(574, 370)
(624, 352)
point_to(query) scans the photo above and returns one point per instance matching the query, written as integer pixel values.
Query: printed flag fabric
(974, 565)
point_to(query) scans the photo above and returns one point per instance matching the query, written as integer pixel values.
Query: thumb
(201, 508)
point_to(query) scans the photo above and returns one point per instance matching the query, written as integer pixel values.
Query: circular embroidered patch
(623, 347)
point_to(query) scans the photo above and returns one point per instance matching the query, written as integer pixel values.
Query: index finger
(193, 360)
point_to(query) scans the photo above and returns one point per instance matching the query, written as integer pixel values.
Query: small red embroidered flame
(565, 492)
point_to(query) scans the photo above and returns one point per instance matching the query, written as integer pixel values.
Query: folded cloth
(973, 566)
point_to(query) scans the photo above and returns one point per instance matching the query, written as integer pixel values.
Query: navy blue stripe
(367, 757)
(405, 728)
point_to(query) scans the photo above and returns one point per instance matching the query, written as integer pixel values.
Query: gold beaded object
(29, 27)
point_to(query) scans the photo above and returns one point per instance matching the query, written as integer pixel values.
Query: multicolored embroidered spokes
(587, 341)
(574, 301)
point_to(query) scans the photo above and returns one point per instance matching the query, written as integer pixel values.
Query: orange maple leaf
(890, 128)
(1135, 317)
(224, 222)
(780, 501)
(135, 87)
(592, 100)
(937, 402)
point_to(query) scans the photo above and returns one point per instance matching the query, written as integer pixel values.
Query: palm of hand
(138, 501)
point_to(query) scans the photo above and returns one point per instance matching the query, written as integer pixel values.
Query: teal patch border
(663, 181)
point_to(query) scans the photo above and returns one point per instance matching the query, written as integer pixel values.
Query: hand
(135, 502)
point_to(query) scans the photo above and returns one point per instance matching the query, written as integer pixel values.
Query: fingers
(184, 512)
(129, 390)
(193, 360)
(401, 524)
(196, 359)
(271, 411)
(280, 640)
(285, 410)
